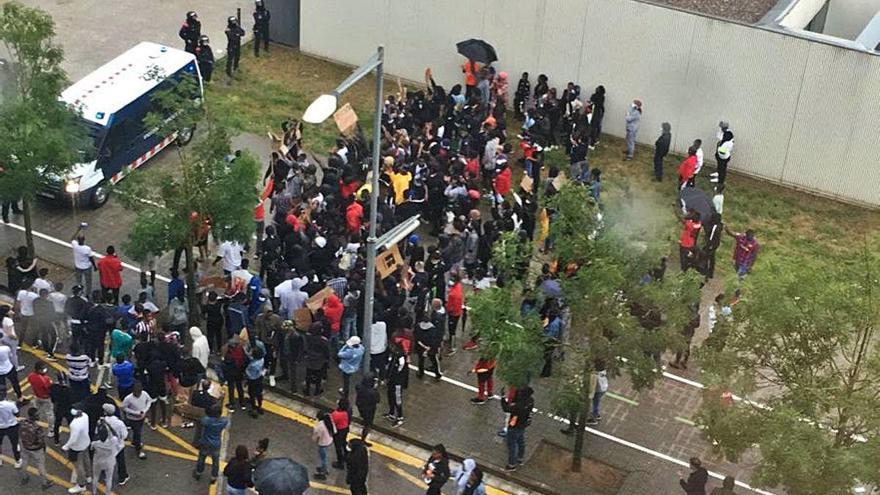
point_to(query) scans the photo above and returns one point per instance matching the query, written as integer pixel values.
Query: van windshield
(96, 134)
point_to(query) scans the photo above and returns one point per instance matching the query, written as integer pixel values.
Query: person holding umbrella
(478, 54)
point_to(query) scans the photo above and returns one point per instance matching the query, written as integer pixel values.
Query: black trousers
(314, 377)
(6, 206)
(232, 59)
(722, 169)
(261, 37)
(658, 167)
(432, 361)
(12, 434)
(233, 385)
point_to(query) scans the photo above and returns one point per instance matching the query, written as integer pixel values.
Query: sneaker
(478, 400)
(338, 465)
(21, 368)
(271, 380)
(231, 407)
(592, 422)
(76, 489)
(319, 476)
(502, 433)
(18, 464)
(451, 352)
(51, 358)
(399, 422)
(243, 407)
(50, 434)
(714, 180)
(142, 455)
(123, 481)
(89, 480)
(154, 427)
(470, 345)
(48, 484)
(388, 416)
(510, 468)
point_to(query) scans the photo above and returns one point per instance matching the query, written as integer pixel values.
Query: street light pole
(370, 288)
(320, 110)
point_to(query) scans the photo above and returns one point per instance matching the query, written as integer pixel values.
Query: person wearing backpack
(105, 446)
(598, 387)
(32, 437)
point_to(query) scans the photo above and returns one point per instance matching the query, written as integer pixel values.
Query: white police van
(113, 101)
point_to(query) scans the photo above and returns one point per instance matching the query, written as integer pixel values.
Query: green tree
(806, 343)
(171, 205)
(607, 294)
(42, 137)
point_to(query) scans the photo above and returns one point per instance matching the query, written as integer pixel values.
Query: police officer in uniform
(261, 27)
(205, 57)
(234, 32)
(190, 32)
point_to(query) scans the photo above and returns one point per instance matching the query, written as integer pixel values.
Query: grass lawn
(793, 227)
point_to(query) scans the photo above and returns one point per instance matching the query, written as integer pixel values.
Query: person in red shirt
(333, 309)
(454, 308)
(688, 241)
(260, 214)
(110, 271)
(687, 168)
(484, 368)
(354, 216)
(40, 383)
(502, 183)
(341, 418)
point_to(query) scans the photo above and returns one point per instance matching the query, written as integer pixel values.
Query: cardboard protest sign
(388, 261)
(302, 318)
(345, 119)
(526, 183)
(315, 302)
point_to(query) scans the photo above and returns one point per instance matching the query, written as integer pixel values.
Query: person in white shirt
(135, 406)
(200, 348)
(293, 298)
(42, 282)
(230, 253)
(83, 259)
(104, 450)
(25, 300)
(118, 427)
(77, 448)
(9, 425)
(378, 348)
(59, 299)
(8, 337)
(8, 371)
(698, 144)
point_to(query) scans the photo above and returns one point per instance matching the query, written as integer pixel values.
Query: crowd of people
(446, 155)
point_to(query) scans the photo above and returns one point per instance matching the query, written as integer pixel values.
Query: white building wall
(804, 113)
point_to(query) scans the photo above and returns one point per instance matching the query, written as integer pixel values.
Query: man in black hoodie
(367, 401)
(597, 99)
(661, 149)
(358, 467)
(428, 338)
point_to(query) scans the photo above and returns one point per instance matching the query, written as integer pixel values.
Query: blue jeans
(214, 453)
(596, 399)
(322, 452)
(516, 445)
(230, 490)
(349, 327)
(741, 270)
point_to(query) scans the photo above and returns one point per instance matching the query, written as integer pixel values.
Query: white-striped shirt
(79, 367)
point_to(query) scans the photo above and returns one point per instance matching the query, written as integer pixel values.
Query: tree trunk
(586, 411)
(28, 227)
(195, 314)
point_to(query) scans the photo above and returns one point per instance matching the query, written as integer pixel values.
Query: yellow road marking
(55, 479)
(378, 448)
(328, 488)
(162, 431)
(63, 460)
(403, 474)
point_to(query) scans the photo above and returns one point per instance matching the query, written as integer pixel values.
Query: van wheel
(100, 195)
(185, 135)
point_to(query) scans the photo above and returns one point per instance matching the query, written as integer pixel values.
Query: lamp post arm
(375, 62)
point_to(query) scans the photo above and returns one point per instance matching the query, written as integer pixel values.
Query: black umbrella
(694, 199)
(281, 476)
(477, 50)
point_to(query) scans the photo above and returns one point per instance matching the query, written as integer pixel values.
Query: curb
(487, 468)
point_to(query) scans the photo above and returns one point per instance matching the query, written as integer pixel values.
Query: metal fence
(805, 113)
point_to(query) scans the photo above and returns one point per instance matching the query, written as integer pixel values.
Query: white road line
(67, 245)
(602, 434)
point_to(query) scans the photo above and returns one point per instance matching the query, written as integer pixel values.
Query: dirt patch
(595, 478)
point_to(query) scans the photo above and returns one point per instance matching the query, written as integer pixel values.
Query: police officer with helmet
(261, 27)
(205, 57)
(190, 31)
(234, 32)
